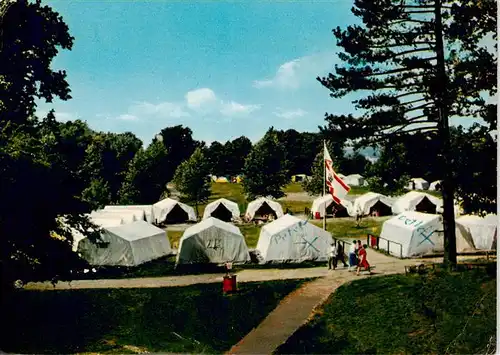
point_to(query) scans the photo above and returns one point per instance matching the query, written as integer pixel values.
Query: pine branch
(410, 21)
(409, 93)
(400, 45)
(418, 12)
(417, 50)
(414, 101)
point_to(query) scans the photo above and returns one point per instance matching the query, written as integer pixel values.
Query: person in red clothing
(362, 260)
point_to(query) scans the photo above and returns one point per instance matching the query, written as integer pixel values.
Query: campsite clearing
(192, 319)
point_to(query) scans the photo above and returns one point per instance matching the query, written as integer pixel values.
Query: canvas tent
(222, 179)
(128, 216)
(106, 220)
(222, 209)
(148, 210)
(171, 211)
(435, 185)
(482, 231)
(126, 245)
(212, 241)
(417, 201)
(292, 239)
(263, 206)
(371, 203)
(412, 233)
(299, 178)
(354, 180)
(326, 202)
(418, 184)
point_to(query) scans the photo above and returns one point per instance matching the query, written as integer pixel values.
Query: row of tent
(373, 203)
(209, 241)
(169, 211)
(413, 233)
(286, 239)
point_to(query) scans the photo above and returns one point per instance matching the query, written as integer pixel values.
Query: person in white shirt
(332, 256)
(353, 260)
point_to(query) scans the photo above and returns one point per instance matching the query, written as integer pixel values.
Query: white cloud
(293, 74)
(290, 114)
(233, 108)
(163, 109)
(201, 99)
(127, 117)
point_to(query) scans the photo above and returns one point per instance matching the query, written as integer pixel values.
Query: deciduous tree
(191, 179)
(265, 171)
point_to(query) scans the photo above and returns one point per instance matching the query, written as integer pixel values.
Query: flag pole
(324, 183)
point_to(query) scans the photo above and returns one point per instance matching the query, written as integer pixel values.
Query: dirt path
(248, 275)
(382, 262)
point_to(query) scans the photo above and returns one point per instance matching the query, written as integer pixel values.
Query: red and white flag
(337, 188)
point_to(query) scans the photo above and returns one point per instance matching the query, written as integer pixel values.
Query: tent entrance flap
(426, 206)
(265, 210)
(340, 211)
(222, 213)
(177, 215)
(381, 209)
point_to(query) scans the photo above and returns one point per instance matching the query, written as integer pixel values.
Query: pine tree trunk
(450, 248)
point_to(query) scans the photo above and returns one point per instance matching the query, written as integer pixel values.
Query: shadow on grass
(415, 314)
(191, 319)
(166, 267)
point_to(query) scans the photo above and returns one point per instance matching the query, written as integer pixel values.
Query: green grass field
(194, 319)
(437, 313)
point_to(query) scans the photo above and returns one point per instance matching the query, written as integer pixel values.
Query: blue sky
(224, 69)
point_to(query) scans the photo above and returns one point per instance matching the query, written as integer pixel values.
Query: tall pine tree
(419, 62)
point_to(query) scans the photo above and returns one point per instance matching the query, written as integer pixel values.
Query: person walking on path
(363, 263)
(340, 254)
(332, 256)
(353, 259)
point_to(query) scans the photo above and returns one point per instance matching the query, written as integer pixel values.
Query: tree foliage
(397, 57)
(39, 184)
(265, 171)
(191, 179)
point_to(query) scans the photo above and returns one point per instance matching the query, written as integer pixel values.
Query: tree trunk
(450, 248)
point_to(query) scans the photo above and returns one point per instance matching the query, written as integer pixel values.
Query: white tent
(126, 245)
(482, 231)
(106, 220)
(418, 184)
(325, 202)
(412, 233)
(263, 206)
(212, 241)
(435, 185)
(128, 216)
(222, 179)
(372, 202)
(354, 180)
(222, 209)
(292, 239)
(342, 176)
(148, 210)
(417, 201)
(172, 211)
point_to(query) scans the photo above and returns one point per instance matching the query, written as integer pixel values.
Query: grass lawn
(345, 228)
(399, 314)
(194, 319)
(293, 187)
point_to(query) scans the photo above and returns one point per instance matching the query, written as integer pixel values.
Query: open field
(193, 319)
(398, 314)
